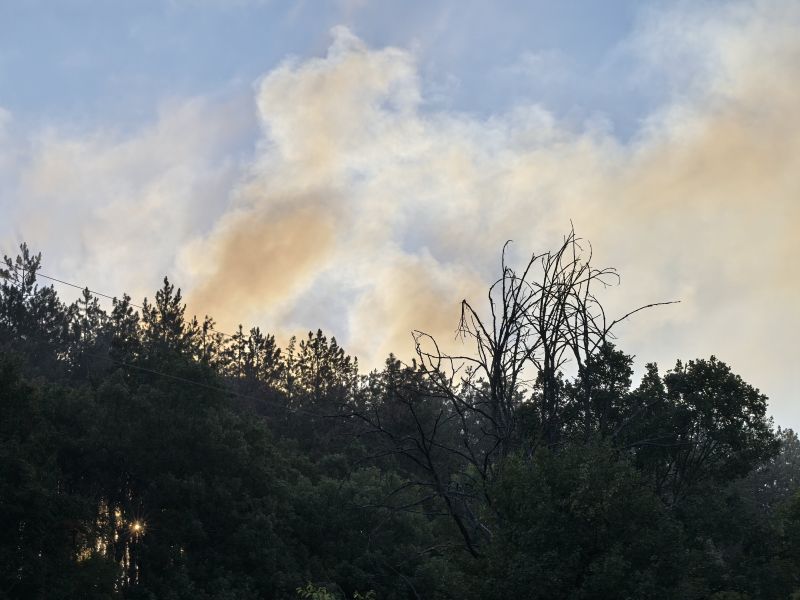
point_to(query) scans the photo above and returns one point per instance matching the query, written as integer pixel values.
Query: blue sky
(89, 61)
(357, 165)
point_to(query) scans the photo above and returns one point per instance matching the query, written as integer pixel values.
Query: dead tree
(469, 411)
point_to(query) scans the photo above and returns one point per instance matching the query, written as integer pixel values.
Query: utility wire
(169, 375)
(102, 295)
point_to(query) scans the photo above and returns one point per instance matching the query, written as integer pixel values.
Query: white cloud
(700, 205)
(382, 213)
(113, 209)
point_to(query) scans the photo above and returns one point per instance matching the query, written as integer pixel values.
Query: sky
(357, 166)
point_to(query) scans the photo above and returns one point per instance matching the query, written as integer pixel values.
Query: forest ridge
(143, 454)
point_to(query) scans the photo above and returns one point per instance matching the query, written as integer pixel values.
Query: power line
(169, 375)
(100, 294)
(76, 286)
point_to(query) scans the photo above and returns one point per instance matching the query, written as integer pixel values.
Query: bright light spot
(137, 527)
(84, 554)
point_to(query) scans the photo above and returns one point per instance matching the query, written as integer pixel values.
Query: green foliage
(143, 455)
(312, 592)
(580, 524)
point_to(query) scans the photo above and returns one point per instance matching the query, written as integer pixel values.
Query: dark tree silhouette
(508, 391)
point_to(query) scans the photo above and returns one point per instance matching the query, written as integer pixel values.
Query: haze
(357, 166)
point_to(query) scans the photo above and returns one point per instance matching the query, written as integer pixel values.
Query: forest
(146, 455)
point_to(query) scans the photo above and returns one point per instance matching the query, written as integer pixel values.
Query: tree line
(144, 454)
